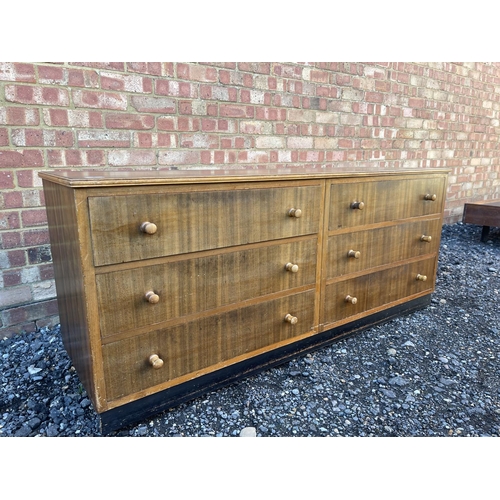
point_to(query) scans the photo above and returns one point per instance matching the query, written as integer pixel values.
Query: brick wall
(235, 115)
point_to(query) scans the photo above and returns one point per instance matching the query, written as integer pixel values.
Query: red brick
(75, 158)
(36, 237)
(374, 97)
(129, 121)
(47, 96)
(176, 89)
(157, 140)
(46, 272)
(101, 100)
(83, 78)
(9, 220)
(236, 111)
(19, 116)
(147, 68)
(127, 83)
(27, 158)
(4, 137)
(12, 277)
(6, 179)
(196, 73)
(34, 217)
(16, 258)
(52, 75)
(30, 312)
(17, 72)
(13, 199)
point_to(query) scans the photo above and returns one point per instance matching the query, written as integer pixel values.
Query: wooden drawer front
(377, 289)
(198, 220)
(198, 345)
(384, 200)
(355, 251)
(189, 286)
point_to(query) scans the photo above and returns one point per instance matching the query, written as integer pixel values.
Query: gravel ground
(435, 372)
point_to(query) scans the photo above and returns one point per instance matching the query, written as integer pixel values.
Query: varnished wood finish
(380, 246)
(199, 284)
(195, 346)
(384, 200)
(200, 220)
(168, 278)
(377, 289)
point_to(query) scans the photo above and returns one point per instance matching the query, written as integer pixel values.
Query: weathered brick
(31, 312)
(19, 116)
(17, 72)
(126, 157)
(127, 83)
(14, 296)
(103, 139)
(27, 94)
(129, 121)
(236, 111)
(178, 157)
(196, 73)
(148, 104)
(177, 89)
(26, 158)
(101, 100)
(75, 158)
(210, 141)
(148, 68)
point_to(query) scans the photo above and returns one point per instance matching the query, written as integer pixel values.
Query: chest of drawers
(172, 283)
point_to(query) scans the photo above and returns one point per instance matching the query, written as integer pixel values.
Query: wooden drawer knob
(148, 228)
(354, 254)
(291, 319)
(351, 300)
(293, 268)
(357, 205)
(426, 238)
(155, 361)
(431, 197)
(421, 277)
(295, 212)
(152, 297)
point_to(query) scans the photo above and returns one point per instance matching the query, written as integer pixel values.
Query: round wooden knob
(295, 212)
(421, 277)
(291, 319)
(426, 238)
(155, 361)
(152, 297)
(292, 267)
(357, 205)
(431, 197)
(354, 254)
(148, 228)
(351, 300)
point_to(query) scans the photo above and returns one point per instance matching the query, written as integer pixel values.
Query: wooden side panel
(382, 288)
(68, 273)
(195, 285)
(381, 246)
(198, 220)
(384, 200)
(203, 345)
(482, 214)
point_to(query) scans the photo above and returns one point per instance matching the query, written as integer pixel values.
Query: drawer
(188, 286)
(359, 250)
(198, 220)
(377, 289)
(205, 344)
(384, 200)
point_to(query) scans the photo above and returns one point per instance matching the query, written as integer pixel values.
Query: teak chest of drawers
(173, 283)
